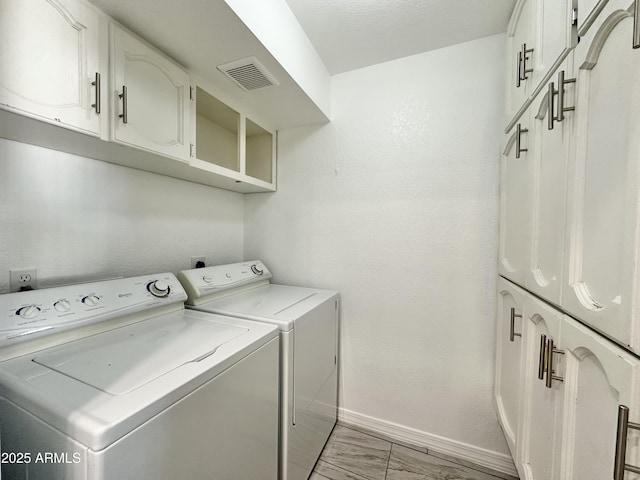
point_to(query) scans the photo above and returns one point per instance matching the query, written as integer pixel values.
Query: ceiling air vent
(248, 73)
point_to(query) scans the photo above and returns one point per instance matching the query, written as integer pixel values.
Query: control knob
(29, 311)
(159, 288)
(207, 279)
(256, 270)
(62, 305)
(91, 300)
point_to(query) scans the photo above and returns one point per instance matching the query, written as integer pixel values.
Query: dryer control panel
(200, 282)
(36, 313)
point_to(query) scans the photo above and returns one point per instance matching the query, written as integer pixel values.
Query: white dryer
(116, 380)
(308, 323)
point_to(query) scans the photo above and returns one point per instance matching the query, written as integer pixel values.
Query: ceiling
(350, 34)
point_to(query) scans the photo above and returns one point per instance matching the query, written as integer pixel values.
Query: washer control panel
(205, 281)
(27, 315)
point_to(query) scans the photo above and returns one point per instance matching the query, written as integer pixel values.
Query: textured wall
(78, 219)
(395, 204)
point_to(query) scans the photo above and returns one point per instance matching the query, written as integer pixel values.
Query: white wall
(78, 219)
(395, 204)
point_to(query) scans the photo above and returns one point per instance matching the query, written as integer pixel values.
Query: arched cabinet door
(53, 62)
(599, 377)
(520, 55)
(601, 277)
(514, 204)
(508, 355)
(548, 176)
(539, 435)
(151, 96)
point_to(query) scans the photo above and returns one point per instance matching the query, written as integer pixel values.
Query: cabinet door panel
(519, 32)
(539, 435)
(514, 208)
(50, 51)
(157, 98)
(508, 355)
(548, 158)
(599, 377)
(603, 207)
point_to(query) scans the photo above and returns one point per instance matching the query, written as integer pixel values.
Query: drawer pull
(550, 350)
(123, 96)
(559, 117)
(512, 333)
(519, 132)
(636, 25)
(523, 56)
(619, 465)
(96, 83)
(542, 359)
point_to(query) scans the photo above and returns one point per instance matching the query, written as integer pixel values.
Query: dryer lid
(124, 359)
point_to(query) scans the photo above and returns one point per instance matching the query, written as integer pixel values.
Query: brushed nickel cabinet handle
(96, 83)
(636, 25)
(550, 372)
(542, 360)
(552, 115)
(619, 465)
(123, 96)
(519, 70)
(512, 333)
(561, 83)
(519, 132)
(523, 57)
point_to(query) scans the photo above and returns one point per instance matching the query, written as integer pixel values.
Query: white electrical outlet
(195, 260)
(23, 279)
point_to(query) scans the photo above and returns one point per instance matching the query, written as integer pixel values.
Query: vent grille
(248, 74)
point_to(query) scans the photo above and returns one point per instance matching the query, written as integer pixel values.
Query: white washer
(116, 380)
(308, 323)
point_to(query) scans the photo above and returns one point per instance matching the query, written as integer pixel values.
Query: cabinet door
(151, 98)
(508, 354)
(599, 376)
(555, 34)
(519, 57)
(514, 205)
(600, 285)
(548, 159)
(539, 436)
(50, 52)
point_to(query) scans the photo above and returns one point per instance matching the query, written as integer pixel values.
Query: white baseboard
(486, 458)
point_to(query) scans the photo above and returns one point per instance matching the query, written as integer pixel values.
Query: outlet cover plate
(22, 279)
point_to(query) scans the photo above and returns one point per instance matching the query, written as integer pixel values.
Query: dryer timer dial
(159, 288)
(256, 270)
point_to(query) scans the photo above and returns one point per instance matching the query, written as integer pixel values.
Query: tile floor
(355, 455)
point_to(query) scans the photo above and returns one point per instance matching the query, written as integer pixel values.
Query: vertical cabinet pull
(636, 25)
(550, 350)
(96, 83)
(123, 96)
(512, 333)
(542, 360)
(619, 465)
(519, 132)
(523, 56)
(551, 115)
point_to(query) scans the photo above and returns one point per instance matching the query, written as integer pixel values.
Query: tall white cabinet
(569, 245)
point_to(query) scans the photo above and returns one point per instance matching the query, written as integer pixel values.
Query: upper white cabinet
(151, 96)
(54, 61)
(508, 359)
(514, 204)
(539, 35)
(601, 255)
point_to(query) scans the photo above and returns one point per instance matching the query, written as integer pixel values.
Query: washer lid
(124, 359)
